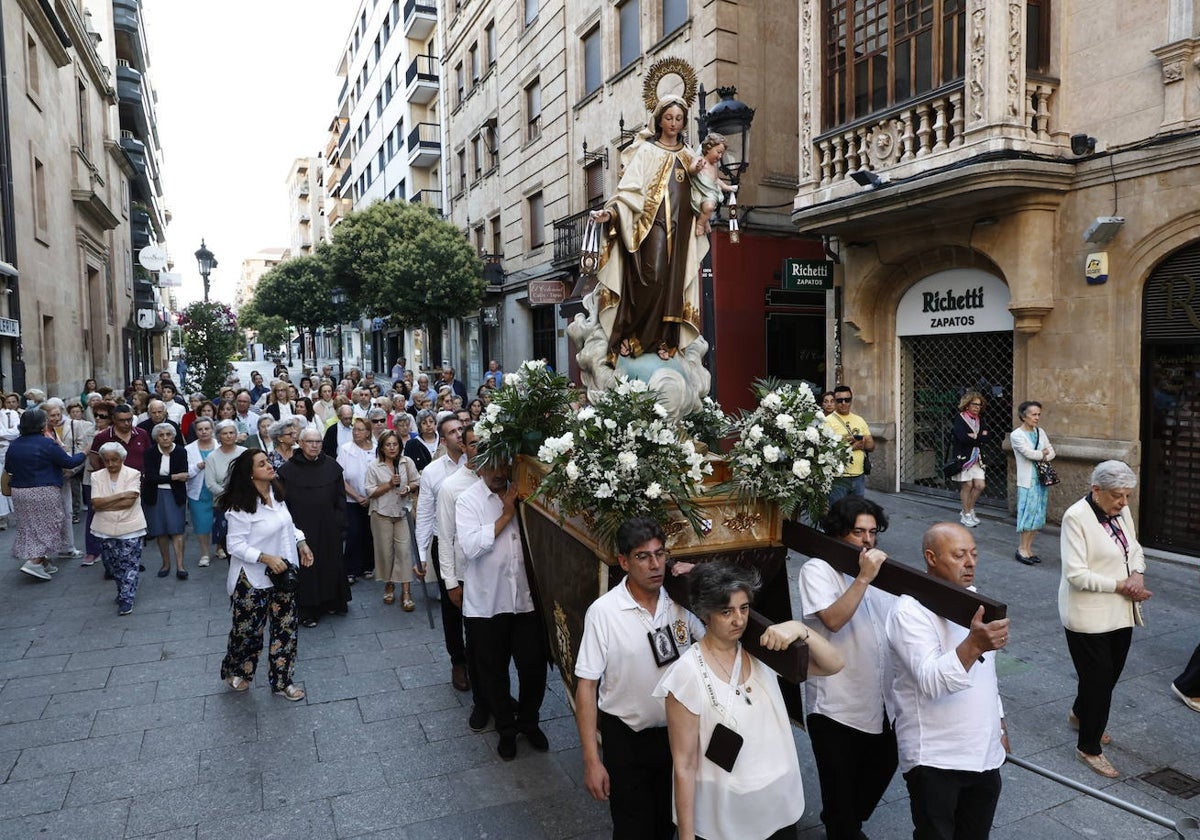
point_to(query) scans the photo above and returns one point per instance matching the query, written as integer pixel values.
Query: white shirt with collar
(494, 580)
(359, 411)
(615, 649)
(947, 717)
(269, 530)
(859, 694)
(175, 411)
(451, 562)
(431, 481)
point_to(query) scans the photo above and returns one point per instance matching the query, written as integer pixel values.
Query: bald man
(950, 723)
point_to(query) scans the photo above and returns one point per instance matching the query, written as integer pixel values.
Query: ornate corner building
(1008, 186)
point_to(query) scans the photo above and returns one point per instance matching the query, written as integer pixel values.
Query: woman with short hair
(35, 464)
(1031, 446)
(969, 433)
(216, 474)
(164, 496)
(283, 435)
(119, 522)
(200, 499)
(323, 405)
(263, 541)
(424, 446)
(1099, 592)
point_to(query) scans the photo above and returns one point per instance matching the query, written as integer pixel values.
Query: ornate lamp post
(732, 118)
(206, 263)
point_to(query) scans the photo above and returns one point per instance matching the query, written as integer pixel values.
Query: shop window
(545, 335)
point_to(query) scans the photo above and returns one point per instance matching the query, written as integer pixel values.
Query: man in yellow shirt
(855, 429)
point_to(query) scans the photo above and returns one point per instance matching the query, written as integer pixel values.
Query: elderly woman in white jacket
(1030, 444)
(262, 541)
(200, 498)
(1098, 596)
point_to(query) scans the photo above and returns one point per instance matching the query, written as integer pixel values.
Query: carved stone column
(1180, 62)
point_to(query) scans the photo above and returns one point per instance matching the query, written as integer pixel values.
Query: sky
(244, 88)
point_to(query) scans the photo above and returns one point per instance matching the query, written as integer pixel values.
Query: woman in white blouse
(261, 540)
(737, 776)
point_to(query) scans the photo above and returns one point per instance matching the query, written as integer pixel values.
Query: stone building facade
(1024, 222)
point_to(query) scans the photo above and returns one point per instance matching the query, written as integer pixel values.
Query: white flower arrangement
(620, 458)
(785, 453)
(531, 407)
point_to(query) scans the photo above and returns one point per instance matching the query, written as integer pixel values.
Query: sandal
(389, 594)
(291, 693)
(309, 622)
(237, 683)
(1099, 763)
(1073, 722)
(406, 601)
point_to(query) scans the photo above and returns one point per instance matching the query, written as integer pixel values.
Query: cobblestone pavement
(120, 727)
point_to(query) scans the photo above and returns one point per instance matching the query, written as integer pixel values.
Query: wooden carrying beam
(938, 596)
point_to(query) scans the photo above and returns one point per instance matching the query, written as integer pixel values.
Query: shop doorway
(935, 371)
(1170, 494)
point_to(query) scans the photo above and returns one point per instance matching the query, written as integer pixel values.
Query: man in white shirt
(170, 397)
(452, 564)
(362, 401)
(616, 672)
(246, 418)
(498, 606)
(950, 722)
(450, 431)
(849, 713)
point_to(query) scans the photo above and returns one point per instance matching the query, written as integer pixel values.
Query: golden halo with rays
(659, 70)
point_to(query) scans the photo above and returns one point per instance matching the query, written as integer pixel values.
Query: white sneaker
(72, 554)
(50, 568)
(974, 519)
(35, 569)
(967, 519)
(203, 561)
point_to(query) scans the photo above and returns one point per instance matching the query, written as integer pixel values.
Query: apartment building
(541, 98)
(306, 204)
(84, 195)
(1009, 188)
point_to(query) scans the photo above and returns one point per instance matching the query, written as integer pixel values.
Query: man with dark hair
(436, 472)
(855, 430)
(136, 441)
(949, 721)
(625, 633)
(259, 390)
(455, 385)
(850, 712)
(498, 606)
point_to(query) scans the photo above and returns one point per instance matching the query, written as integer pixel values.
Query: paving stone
(511, 820)
(54, 683)
(120, 781)
(102, 820)
(28, 617)
(117, 697)
(568, 816)
(410, 701)
(385, 660)
(163, 632)
(365, 738)
(187, 833)
(39, 733)
(198, 646)
(329, 644)
(248, 757)
(125, 655)
(280, 720)
(417, 676)
(7, 761)
(402, 805)
(307, 821)
(143, 717)
(160, 670)
(417, 761)
(32, 666)
(292, 785)
(193, 685)
(15, 711)
(199, 735)
(531, 775)
(421, 634)
(98, 639)
(34, 796)
(324, 667)
(343, 688)
(37, 762)
(211, 798)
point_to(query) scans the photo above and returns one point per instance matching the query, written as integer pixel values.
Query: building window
(33, 69)
(489, 39)
(537, 220)
(41, 213)
(462, 170)
(531, 11)
(473, 53)
(545, 334)
(593, 184)
(875, 59)
(477, 155)
(592, 65)
(480, 239)
(497, 237)
(84, 122)
(458, 84)
(1037, 36)
(629, 23)
(492, 144)
(674, 15)
(533, 110)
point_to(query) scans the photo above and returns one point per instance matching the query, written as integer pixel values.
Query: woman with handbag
(391, 484)
(265, 553)
(736, 773)
(1033, 453)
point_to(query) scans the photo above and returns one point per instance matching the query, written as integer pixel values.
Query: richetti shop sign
(955, 301)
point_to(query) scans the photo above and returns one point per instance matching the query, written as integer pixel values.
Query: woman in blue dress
(1030, 444)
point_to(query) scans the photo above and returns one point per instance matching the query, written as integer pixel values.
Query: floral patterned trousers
(121, 558)
(251, 608)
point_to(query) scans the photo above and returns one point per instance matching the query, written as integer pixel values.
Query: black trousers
(452, 617)
(497, 640)
(360, 553)
(1099, 659)
(639, 780)
(952, 804)
(854, 769)
(1189, 681)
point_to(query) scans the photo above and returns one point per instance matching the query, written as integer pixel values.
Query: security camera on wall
(1082, 144)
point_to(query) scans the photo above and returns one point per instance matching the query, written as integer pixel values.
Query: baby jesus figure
(707, 185)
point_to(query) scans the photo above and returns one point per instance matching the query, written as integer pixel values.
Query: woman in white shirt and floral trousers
(261, 539)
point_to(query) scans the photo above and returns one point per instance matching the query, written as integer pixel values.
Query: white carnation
(801, 468)
(654, 490)
(812, 435)
(586, 413)
(627, 461)
(572, 471)
(772, 401)
(771, 453)
(784, 421)
(755, 434)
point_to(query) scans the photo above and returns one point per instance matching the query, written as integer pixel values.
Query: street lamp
(207, 262)
(339, 300)
(732, 118)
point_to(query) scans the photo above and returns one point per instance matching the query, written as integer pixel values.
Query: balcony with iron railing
(568, 236)
(421, 80)
(129, 36)
(424, 145)
(420, 17)
(429, 198)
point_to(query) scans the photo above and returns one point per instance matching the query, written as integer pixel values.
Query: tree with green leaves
(401, 261)
(298, 291)
(210, 337)
(271, 330)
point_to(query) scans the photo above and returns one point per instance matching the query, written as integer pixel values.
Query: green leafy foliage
(298, 291)
(401, 261)
(210, 337)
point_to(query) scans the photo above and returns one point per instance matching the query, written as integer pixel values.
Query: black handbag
(953, 466)
(1047, 476)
